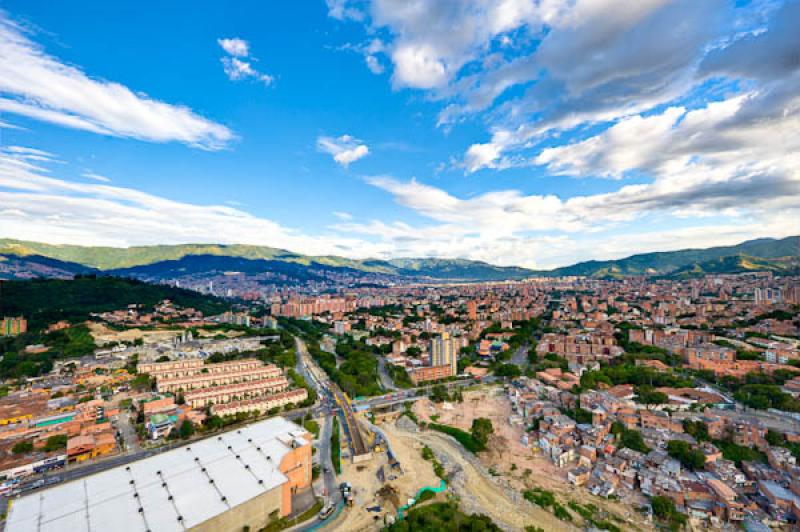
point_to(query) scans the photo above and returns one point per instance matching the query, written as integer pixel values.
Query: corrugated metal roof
(175, 490)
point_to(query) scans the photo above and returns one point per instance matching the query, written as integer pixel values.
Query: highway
(331, 400)
(331, 390)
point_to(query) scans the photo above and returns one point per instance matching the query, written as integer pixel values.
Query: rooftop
(174, 490)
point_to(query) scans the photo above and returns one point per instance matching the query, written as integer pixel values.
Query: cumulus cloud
(754, 204)
(58, 210)
(238, 64)
(572, 63)
(235, 46)
(345, 149)
(39, 86)
(433, 41)
(634, 62)
(502, 227)
(344, 10)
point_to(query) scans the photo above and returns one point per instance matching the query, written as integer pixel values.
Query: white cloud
(235, 46)
(96, 177)
(345, 149)
(433, 41)
(39, 86)
(235, 66)
(374, 64)
(236, 70)
(60, 211)
(343, 10)
(573, 62)
(501, 227)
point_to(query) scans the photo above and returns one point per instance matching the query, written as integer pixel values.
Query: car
(326, 511)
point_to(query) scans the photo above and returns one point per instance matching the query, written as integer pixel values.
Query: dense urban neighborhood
(400, 266)
(617, 404)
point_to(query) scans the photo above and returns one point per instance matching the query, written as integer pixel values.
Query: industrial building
(231, 482)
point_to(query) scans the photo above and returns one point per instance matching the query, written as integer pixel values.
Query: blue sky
(531, 132)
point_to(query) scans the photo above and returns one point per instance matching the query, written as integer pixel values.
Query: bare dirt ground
(364, 477)
(202, 333)
(514, 465)
(478, 493)
(103, 335)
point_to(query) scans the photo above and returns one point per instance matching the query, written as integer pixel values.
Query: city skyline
(537, 134)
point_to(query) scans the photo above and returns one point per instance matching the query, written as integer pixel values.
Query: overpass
(359, 450)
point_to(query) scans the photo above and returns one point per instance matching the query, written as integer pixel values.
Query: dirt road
(477, 491)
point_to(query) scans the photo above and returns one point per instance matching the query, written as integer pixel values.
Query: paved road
(386, 380)
(129, 436)
(83, 469)
(520, 357)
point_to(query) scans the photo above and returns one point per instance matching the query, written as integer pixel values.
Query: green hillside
(660, 263)
(111, 258)
(663, 263)
(739, 264)
(458, 269)
(45, 301)
(108, 258)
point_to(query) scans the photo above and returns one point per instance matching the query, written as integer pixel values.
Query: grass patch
(284, 523)
(461, 436)
(442, 516)
(336, 449)
(425, 496)
(312, 427)
(438, 468)
(409, 413)
(589, 514)
(540, 497)
(561, 512)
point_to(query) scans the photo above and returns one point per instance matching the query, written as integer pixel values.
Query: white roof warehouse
(240, 478)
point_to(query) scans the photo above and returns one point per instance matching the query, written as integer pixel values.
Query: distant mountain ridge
(139, 259)
(778, 255)
(670, 262)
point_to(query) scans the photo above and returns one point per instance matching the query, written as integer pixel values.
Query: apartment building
(13, 326)
(202, 397)
(217, 378)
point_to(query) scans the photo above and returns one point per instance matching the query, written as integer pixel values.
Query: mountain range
(23, 259)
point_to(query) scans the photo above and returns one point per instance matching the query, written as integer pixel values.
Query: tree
(508, 370)
(481, 430)
(142, 382)
(649, 396)
(663, 507)
(214, 422)
(693, 459)
(54, 443)
(775, 438)
(697, 429)
(162, 358)
(413, 351)
(22, 447)
(186, 429)
(439, 393)
(630, 438)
